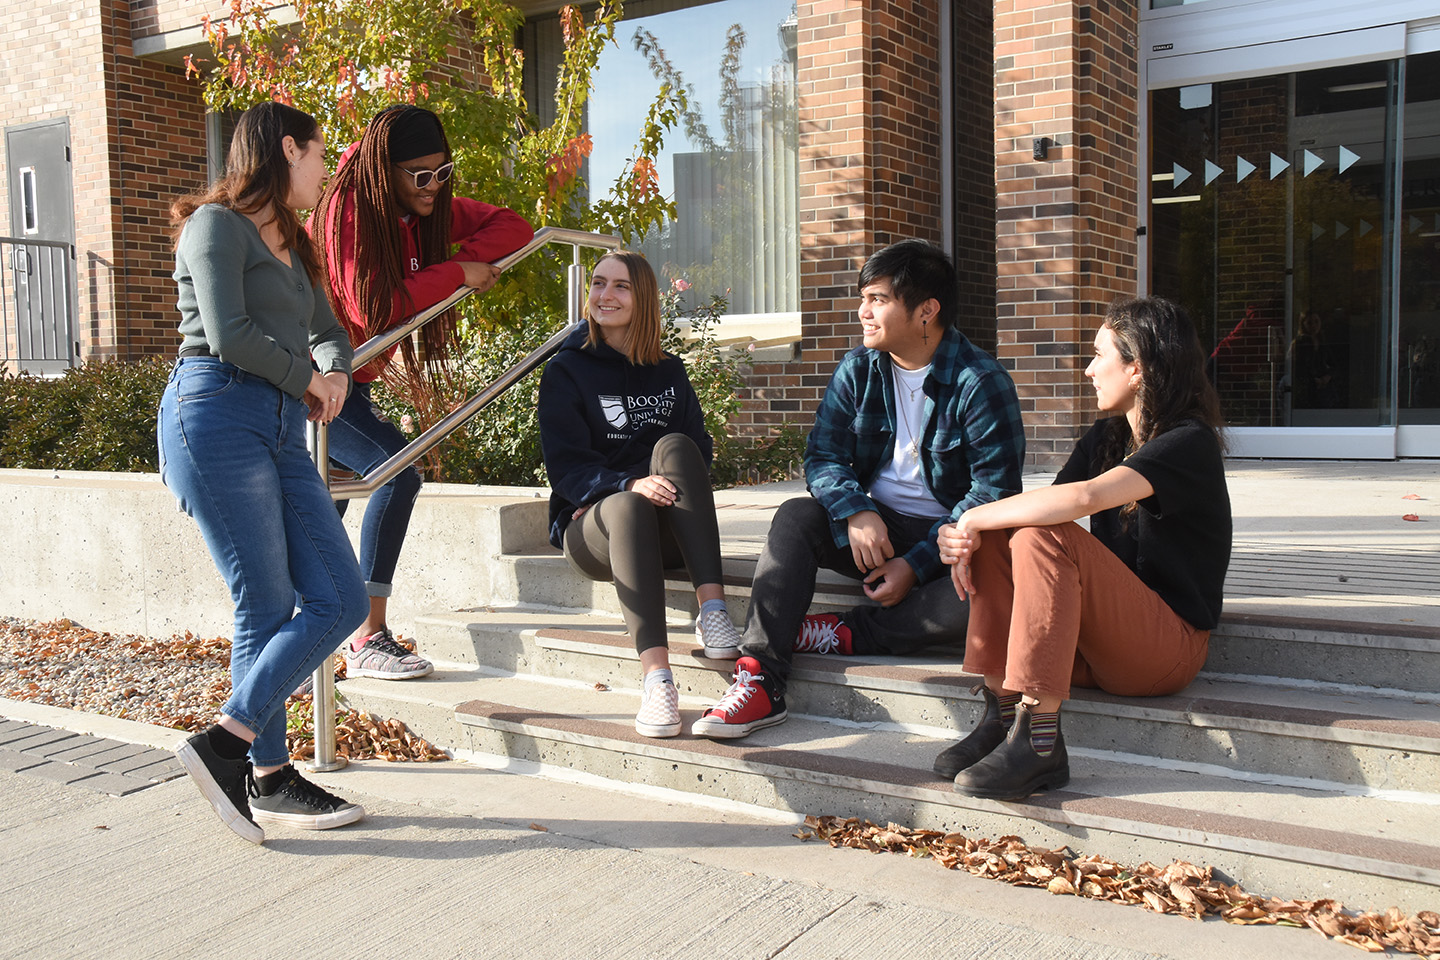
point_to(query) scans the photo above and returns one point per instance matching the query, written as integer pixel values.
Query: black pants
(798, 545)
(627, 539)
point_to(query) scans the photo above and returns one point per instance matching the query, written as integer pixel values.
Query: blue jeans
(360, 440)
(232, 449)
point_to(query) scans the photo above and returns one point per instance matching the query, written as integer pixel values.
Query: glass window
(731, 165)
(1418, 381)
(29, 201)
(1270, 219)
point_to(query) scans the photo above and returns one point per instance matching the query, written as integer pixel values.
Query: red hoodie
(484, 233)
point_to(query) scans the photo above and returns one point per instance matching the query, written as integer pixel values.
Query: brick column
(157, 146)
(869, 105)
(1065, 227)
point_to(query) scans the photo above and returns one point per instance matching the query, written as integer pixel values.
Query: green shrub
(99, 416)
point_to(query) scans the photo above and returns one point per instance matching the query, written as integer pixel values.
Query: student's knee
(626, 509)
(673, 453)
(800, 516)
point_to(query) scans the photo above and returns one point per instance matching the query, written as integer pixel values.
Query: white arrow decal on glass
(1316, 231)
(1341, 229)
(1277, 166)
(1311, 162)
(1211, 172)
(1415, 224)
(1347, 157)
(1365, 228)
(1243, 168)
(1181, 174)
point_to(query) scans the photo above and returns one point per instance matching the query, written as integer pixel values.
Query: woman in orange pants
(1126, 607)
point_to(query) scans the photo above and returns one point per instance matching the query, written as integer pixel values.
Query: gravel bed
(177, 682)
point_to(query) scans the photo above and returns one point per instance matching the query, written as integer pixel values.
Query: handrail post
(323, 682)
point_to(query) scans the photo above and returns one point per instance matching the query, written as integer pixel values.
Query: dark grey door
(39, 254)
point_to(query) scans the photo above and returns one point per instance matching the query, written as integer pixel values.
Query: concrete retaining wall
(112, 551)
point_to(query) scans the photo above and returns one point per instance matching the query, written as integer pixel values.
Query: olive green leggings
(628, 539)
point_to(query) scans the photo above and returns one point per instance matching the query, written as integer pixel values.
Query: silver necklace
(913, 447)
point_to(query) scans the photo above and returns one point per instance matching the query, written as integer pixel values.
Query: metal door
(39, 254)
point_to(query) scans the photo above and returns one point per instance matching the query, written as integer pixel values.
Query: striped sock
(716, 605)
(1043, 728)
(1008, 702)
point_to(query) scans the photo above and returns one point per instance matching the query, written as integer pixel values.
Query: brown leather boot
(988, 734)
(1014, 770)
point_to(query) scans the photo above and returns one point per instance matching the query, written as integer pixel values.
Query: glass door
(1418, 393)
(1271, 203)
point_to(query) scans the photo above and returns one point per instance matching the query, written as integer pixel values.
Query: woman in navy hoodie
(628, 458)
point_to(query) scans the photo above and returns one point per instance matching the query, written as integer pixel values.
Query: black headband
(415, 133)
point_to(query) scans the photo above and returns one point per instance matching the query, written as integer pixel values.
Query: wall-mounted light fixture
(1040, 148)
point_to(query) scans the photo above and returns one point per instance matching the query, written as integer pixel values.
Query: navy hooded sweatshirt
(600, 418)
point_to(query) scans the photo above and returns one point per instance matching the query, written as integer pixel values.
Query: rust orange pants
(1053, 607)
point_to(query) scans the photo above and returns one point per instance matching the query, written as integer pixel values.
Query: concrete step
(543, 578)
(1340, 653)
(1276, 730)
(1387, 657)
(1284, 839)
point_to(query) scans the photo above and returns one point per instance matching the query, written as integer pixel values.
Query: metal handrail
(319, 434)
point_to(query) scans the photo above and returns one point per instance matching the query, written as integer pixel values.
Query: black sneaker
(225, 783)
(299, 803)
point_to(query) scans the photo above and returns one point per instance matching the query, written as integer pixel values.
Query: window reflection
(731, 163)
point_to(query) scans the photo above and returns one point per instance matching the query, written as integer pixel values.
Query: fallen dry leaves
(1179, 888)
(177, 682)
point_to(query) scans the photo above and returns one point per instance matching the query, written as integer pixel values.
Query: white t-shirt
(899, 484)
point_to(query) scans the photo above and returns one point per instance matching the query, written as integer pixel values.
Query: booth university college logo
(614, 410)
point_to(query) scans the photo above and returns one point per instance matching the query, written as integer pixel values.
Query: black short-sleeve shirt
(1178, 542)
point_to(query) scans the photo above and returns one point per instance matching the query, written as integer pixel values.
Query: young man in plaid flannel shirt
(916, 426)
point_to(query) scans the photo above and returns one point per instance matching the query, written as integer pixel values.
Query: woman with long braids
(388, 223)
(628, 457)
(1127, 607)
(231, 431)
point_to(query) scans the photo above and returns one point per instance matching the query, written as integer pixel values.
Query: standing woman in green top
(231, 430)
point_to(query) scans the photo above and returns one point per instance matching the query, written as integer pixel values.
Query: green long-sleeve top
(249, 308)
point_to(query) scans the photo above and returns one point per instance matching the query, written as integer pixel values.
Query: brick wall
(868, 81)
(1066, 224)
(57, 55)
(137, 140)
(158, 147)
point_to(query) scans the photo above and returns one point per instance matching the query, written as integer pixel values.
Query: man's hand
(889, 583)
(869, 540)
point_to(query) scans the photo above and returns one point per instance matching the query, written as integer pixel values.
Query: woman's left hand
(326, 395)
(957, 545)
(656, 489)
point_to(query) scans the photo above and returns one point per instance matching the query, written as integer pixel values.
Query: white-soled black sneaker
(225, 783)
(301, 804)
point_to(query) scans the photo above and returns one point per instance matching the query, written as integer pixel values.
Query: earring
(925, 331)
(292, 164)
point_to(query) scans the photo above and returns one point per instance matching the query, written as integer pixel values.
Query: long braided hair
(257, 176)
(367, 180)
(1173, 385)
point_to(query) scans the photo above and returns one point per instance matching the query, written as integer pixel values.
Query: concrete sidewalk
(455, 860)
